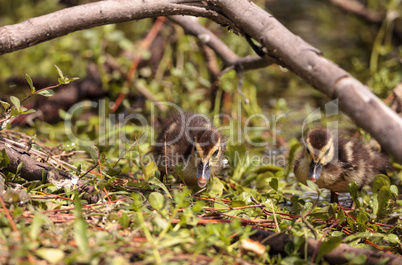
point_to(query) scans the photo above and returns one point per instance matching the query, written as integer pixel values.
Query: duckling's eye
(308, 151)
(215, 153)
(326, 153)
(195, 150)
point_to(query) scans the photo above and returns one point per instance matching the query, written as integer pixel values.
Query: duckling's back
(360, 161)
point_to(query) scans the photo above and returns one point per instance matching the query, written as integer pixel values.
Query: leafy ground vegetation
(131, 216)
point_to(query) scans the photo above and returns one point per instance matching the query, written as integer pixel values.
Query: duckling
(189, 139)
(334, 163)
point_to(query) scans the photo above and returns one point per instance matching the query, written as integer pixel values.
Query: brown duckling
(334, 163)
(191, 140)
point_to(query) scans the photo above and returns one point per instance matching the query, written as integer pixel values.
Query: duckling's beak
(315, 171)
(203, 173)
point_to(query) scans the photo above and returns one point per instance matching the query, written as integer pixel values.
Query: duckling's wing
(348, 166)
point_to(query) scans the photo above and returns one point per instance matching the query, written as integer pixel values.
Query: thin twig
(276, 221)
(320, 242)
(240, 74)
(198, 192)
(10, 219)
(166, 171)
(89, 170)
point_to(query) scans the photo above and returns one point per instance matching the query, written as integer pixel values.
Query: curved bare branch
(229, 58)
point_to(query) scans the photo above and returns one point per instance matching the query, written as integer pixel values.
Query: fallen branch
(33, 170)
(336, 256)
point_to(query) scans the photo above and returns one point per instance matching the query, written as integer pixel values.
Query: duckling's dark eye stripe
(326, 153)
(215, 153)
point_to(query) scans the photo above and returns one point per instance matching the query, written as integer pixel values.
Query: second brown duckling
(334, 163)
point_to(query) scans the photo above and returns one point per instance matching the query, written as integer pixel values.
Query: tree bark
(31, 170)
(244, 17)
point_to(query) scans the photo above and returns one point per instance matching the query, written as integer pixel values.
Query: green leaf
(101, 184)
(4, 159)
(30, 83)
(379, 182)
(337, 234)
(384, 194)
(5, 105)
(353, 259)
(156, 200)
(307, 206)
(294, 145)
(80, 227)
(80, 235)
(362, 221)
(265, 168)
(36, 225)
(113, 172)
(324, 213)
(198, 206)
(67, 80)
(29, 111)
(14, 112)
(59, 72)
(341, 216)
(351, 223)
(124, 220)
(362, 235)
(262, 180)
(19, 167)
(312, 185)
(62, 114)
(215, 188)
(274, 183)
(158, 183)
(353, 189)
(394, 190)
(328, 246)
(46, 93)
(51, 255)
(392, 238)
(61, 81)
(93, 152)
(16, 102)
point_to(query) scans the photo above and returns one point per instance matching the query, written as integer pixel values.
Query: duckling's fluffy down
(353, 161)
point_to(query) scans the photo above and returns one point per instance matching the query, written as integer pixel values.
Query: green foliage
(4, 159)
(16, 110)
(381, 195)
(80, 228)
(51, 255)
(328, 246)
(156, 200)
(353, 190)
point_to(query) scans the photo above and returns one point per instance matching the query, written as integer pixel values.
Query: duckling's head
(320, 150)
(206, 154)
